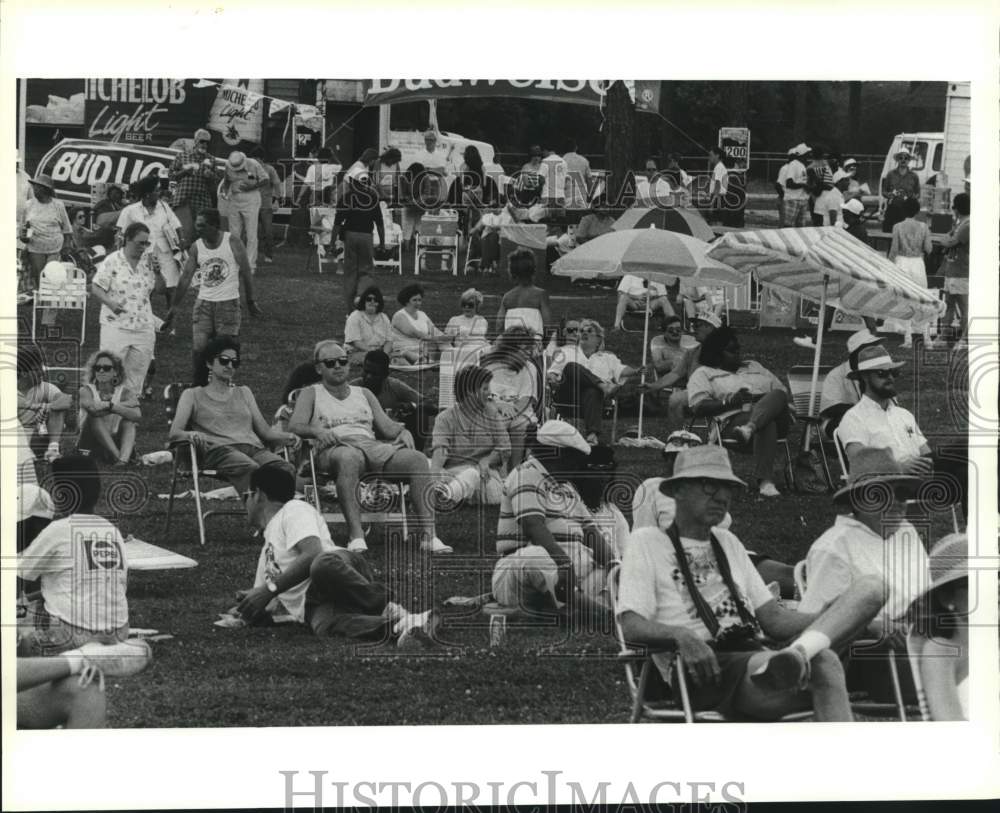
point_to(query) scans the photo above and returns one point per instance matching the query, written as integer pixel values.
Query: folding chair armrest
(177, 444)
(637, 651)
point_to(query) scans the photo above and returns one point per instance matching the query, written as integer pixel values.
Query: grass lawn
(207, 676)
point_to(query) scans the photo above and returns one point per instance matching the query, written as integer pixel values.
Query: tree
(619, 136)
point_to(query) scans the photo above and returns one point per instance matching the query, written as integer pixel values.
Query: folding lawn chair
(639, 673)
(321, 220)
(69, 294)
(393, 260)
(714, 425)
(183, 450)
(438, 235)
(799, 387)
(915, 643)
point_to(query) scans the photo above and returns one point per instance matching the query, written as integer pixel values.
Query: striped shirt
(530, 490)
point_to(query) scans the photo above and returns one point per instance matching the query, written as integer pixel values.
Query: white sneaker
(805, 341)
(906, 346)
(437, 546)
(52, 453)
(357, 545)
(745, 432)
(417, 630)
(119, 660)
(394, 612)
(769, 489)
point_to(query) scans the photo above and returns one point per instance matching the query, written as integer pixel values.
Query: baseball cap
(854, 206)
(33, 501)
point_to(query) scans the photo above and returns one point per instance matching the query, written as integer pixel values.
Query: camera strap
(705, 612)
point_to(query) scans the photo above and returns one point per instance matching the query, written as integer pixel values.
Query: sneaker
(394, 612)
(436, 546)
(357, 545)
(805, 341)
(769, 489)
(906, 345)
(787, 669)
(744, 432)
(52, 453)
(118, 660)
(417, 630)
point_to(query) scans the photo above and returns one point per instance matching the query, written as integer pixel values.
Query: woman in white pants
(123, 285)
(911, 240)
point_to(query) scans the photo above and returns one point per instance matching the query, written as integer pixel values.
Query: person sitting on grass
(553, 556)
(399, 400)
(525, 305)
(940, 615)
(514, 385)
(367, 327)
(302, 573)
(109, 411)
(67, 690)
(633, 292)
(587, 374)
(694, 587)
(468, 329)
(80, 563)
(345, 423)
(470, 444)
(415, 338)
(223, 422)
(725, 383)
(41, 405)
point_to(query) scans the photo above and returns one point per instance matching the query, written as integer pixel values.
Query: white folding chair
(438, 235)
(799, 387)
(68, 295)
(393, 243)
(321, 220)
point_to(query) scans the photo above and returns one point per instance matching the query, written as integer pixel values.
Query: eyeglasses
(228, 361)
(342, 361)
(568, 329)
(104, 368)
(141, 242)
(886, 373)
(587, 331)
(371, 299)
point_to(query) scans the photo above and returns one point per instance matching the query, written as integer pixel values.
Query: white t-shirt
(553, 170)
(635, 286)
(720, 174)
(796, 173)
(432, 161)
(160, 222)
(850, 550)
(783, 176)
(327, 174)
(652, 585)
(83, 569)
(838, 388)
(605, 365)
(892, 428)
(296, 521)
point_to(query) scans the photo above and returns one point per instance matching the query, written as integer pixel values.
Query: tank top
(116, 398)
(224, 423)
(350, 418)
(218, 271)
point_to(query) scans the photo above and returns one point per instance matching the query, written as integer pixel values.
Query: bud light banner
(77, 164)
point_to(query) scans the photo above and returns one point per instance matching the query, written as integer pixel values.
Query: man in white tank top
(344, 423)
(221, 262)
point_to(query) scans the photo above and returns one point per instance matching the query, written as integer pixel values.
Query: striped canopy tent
(656, 255)
(682, 221)
(827, 265)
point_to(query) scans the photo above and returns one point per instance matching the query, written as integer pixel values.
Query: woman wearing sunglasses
(367, 327)
(223, 422)
(109, 410)
(468, 328)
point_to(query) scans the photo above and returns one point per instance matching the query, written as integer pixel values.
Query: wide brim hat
(707, 462)
(871, 467)
(708, 318)
(236, 159)
(850, 162)
(202, 134)
(854, 206)
(33, 501)
(902, 154)
(44, 181)
(680, 440)
(861, 338)
(949, 563)
(561, 435)
(873, 357)
(801, 149)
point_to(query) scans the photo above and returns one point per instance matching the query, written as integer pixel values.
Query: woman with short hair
(109, 410)
(514, 385)
(367, 327)
(414, 336)
(468, 328)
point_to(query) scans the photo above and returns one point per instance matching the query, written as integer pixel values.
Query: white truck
(943, 156)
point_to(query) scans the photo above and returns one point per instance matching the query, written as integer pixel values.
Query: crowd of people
(527, 432)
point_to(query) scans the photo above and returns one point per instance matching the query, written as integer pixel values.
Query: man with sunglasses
(694, 587)
(878, 421)
(345, 423)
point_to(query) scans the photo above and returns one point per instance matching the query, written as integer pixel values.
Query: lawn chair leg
(896, 688)
(402, 509)
(789, 467)
(681, 679)
(825, 460)
(640, 691)
(170, 499)
(954, 519)
(197, 496)
(315, 482)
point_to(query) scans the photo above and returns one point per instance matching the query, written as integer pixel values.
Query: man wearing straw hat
(901, 183)
(870, 537)
(694, 587)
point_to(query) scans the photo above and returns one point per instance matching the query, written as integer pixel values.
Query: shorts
(40, 634)
(210, 319)
(376, 454)
(720, 698)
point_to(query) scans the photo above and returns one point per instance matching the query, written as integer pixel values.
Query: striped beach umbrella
(827, 265)
(682, 221)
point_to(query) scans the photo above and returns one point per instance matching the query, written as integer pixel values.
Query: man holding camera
(196, 177)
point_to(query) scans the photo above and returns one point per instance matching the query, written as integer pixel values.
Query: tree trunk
(619, 137)
(737, 104)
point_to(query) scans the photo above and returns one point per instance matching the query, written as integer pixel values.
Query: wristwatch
(271, 586)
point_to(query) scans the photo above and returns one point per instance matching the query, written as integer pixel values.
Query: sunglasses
(571, 330)
(246, 495)
(228, 361)
(468, 304)
(330, 364)
(104, 368)
(886, 373)
(371, 299)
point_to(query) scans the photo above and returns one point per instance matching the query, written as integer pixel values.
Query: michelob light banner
(238, 112)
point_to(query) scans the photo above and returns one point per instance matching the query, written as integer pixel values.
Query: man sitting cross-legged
(302, 571)
(694, 587)
(344, 422)
(552, 552)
